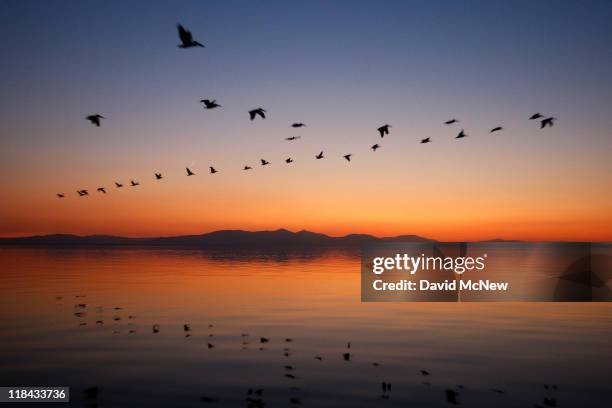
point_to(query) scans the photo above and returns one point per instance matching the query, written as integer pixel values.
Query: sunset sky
(344, 68)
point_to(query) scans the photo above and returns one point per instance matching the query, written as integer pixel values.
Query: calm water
(47, 339)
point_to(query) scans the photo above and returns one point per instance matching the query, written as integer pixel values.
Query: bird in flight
(347, 157)
(212, 170)
(259, 111)
(158, 176)
(264, 162)
(60, 195)
(95, 119)
(298, 125)
(292, 138)
(461, 135)
(289, 160)
(208, 104)
(101, 190)
(189, 172)
(118, 185)
(537, 115)
(247, 168)
(186, 38)
(426, 140)
(374, 147)
(134, 183)
(496, 129)
(320, 155)
(547, 122)
(82, 192)
(384, 130)
(450, 122)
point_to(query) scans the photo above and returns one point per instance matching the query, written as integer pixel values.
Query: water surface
(107, 342)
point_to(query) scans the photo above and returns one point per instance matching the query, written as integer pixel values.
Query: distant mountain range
(280, 238)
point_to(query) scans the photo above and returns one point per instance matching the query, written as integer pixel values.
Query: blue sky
(343, 67)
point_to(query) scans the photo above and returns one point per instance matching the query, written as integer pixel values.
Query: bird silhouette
(346, 356)
(496, 129)
(158, 176)
(264, 340)
(537, 115)
(212, 170)
(450, 122)
(298, 125)
(348, 157)
(82, 193)
(547, 122)
(186, 38)
(156, 328)
(320, 155)
(384, 130)
(424, 372)
(186, 327)
(118, 185)
(247, 168)
(374, 147)
(259, 111)
(264, 162)
(451, 396)
(60, 195)
(134, 183)
(95, 119)
(189, 172)
(293, 138)
(101, 190)
(208, 104)
(461, 135)
(289, 160)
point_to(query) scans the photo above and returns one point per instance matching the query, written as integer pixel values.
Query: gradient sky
(342, 67)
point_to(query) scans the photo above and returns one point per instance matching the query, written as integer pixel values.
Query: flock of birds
(187, 41)
(254, 397)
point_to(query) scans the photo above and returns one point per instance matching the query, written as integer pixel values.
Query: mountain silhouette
(216, 239)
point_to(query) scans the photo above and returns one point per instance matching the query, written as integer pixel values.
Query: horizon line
(497, 238)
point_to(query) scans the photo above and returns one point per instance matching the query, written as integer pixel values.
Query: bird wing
(252, 114)
(261, 113)
(184, 35)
